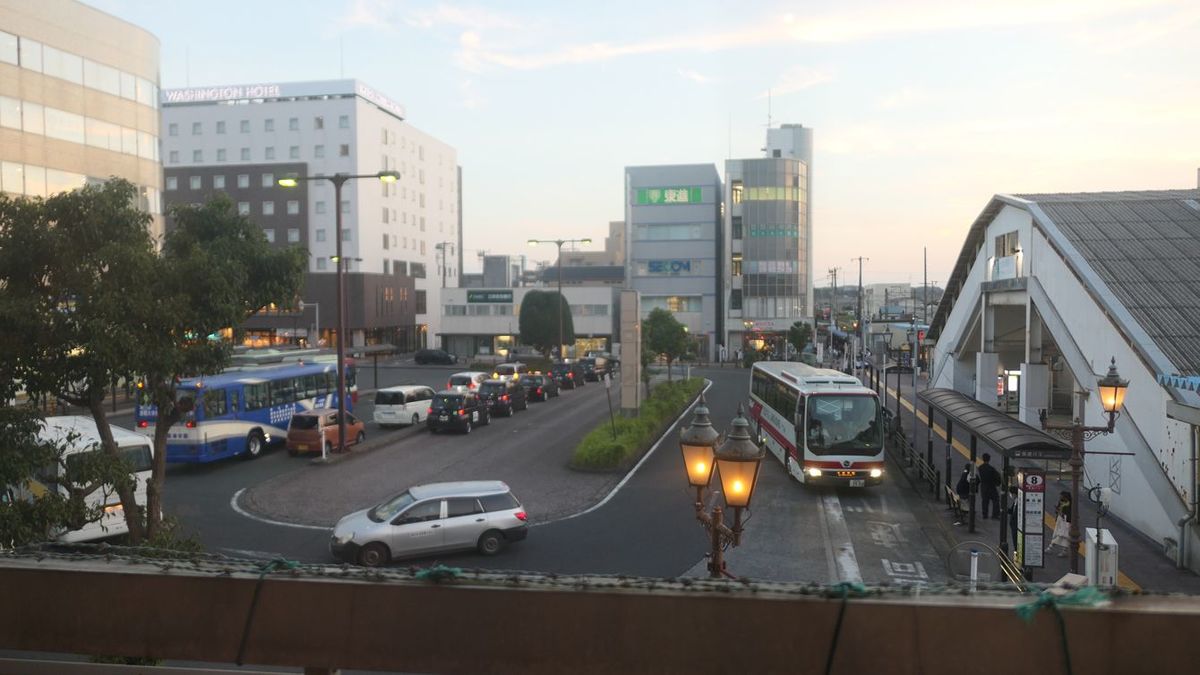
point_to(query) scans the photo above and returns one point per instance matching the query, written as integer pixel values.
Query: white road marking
(833, 574)
(233, 503)
(839, 536)
(628, 476)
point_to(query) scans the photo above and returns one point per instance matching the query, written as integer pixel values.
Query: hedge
(634, 435)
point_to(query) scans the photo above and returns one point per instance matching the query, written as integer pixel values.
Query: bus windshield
(843, 424)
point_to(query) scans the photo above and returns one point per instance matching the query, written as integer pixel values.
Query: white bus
(77, 434)
(823, 425)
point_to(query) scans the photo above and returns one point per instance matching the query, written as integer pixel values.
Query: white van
(468, 380)
(404, 404)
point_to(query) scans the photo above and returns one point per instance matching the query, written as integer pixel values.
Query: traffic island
(618, 443)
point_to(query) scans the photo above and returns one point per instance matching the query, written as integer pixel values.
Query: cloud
(869, 21)
(471, 98)
(386, 15)
(694, 76)
(798, 78)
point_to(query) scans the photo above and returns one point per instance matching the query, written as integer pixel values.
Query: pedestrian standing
(963, 490)
(989, 487)
(1060, 541)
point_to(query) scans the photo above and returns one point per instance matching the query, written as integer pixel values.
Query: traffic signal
(920, 336)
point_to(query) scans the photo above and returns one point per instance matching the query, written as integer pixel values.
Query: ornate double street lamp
(338, 179)
(559, 242)
(737, 461)
(1112, 397)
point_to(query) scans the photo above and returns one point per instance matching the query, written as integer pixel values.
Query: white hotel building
(323, 128)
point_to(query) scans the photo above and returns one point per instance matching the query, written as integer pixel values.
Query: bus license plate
(858, 483)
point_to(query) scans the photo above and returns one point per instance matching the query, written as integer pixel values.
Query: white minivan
(405, 404)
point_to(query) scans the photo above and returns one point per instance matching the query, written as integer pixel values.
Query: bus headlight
(876, 473)
(814, 473)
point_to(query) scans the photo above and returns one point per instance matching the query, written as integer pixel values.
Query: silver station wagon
(427, 519)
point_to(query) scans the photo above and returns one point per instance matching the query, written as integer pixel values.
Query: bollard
(974, 568)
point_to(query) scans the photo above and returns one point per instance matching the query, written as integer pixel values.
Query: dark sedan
(503, 397)
(425, 356)
(539, 387)
(568, 375)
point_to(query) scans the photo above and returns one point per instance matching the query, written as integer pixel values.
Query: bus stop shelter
(1007, 436)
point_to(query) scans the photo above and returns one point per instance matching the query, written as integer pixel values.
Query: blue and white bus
(241, 412)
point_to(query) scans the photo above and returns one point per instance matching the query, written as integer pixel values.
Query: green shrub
(634, 435)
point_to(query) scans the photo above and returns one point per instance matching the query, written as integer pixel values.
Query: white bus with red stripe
(823, 425)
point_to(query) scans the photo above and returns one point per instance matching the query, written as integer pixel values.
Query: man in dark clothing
(989, 487)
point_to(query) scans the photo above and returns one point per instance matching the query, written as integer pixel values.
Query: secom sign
(669, 266)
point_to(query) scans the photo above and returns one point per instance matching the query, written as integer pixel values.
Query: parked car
(425, 356)
(466, 380)
(312, 430)
(539, 386)
(403, 404)
(568, 374)
(510, 371)
(425, 519)
(504, 397)
(457, 411)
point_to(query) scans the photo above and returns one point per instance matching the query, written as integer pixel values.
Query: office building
(248, 136)
(78, 101)
(767, 273)
(674, 245)
(486, 322)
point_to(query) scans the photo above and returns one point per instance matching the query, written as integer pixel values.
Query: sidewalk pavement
(1142, 562)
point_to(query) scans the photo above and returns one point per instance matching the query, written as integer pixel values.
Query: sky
(921, 109)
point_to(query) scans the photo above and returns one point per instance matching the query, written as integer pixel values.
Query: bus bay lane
(529, 451)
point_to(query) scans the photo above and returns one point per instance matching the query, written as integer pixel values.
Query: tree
(663, 334)
(97, 302)
(538, 322)
(799, 335)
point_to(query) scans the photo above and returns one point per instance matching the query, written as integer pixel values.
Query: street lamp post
(737, 461)
(339, 179)
(1112, 397)
(441, 246)
(559, 243)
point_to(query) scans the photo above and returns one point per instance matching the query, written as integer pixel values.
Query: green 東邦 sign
(489, 296)
(668, 195)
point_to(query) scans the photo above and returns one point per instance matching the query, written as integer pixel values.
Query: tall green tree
(664, 335)
(97, 301)
(538, 321)
(799, 335)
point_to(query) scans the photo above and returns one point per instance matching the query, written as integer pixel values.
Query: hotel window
(736, 265)
(197, 156)
(220, 154)
(195, 182)
(172, 183)
(735, 190)
(243, 208)
(320, 235)
(318, 151)
(293, 124)
(294, 152)
(293, 235)
(737, 227)
(268, 125)
(219, 182)
(319, 207)
(221, 127)
(387, 268)
(243, 180)
(172, 129)
(9, 49)
(385, 214)
(173, 157)
(345, 207)
(735, 298)
(245, 126)
(269, 152)
(245, 154)
(197, 128)
(318, 122)
(268, 208)
(386, 241)
(268, 180)
(293, 207)
(320, 263)
(344, 151)
(343, 121)
(270, 234)
(346, 234)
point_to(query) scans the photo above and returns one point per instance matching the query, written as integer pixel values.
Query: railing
(907, 455)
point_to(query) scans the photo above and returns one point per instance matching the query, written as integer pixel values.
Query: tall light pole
(1112, 397)
(861, 326)
(339, 179)
(559, 242)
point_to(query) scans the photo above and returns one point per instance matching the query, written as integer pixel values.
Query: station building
(1047, 291)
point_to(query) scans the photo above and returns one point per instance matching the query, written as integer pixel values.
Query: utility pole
(925, 288)
(441, 246)
(861, 326)
(833, 272)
